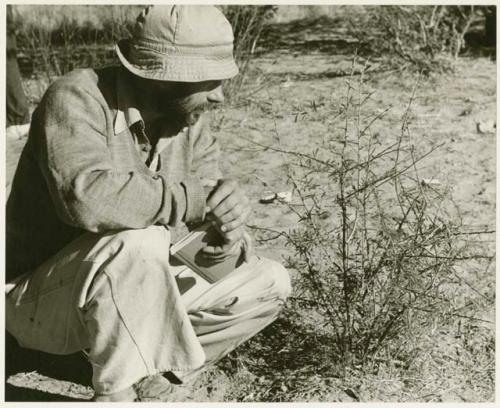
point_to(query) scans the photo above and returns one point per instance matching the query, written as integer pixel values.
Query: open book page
(189, 252)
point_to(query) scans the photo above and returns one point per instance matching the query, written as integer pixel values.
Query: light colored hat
(180, 43)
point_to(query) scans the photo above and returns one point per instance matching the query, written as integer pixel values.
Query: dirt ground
(457, 109)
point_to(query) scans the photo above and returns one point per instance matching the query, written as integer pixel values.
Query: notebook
(188, 252)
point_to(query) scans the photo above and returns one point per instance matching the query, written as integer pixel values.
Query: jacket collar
(127, 114)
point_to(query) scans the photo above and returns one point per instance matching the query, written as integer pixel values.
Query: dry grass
(50, 17)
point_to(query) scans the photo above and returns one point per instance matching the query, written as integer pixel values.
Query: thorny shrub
(427, 38)
(376, 246)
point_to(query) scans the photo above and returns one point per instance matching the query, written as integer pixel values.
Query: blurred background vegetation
(54, 39)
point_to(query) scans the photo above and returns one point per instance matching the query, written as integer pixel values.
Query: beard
(184, 112)
(190, 118)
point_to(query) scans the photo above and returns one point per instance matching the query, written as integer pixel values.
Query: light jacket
(88, 166)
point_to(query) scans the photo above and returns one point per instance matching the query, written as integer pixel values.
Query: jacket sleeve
(87, 190)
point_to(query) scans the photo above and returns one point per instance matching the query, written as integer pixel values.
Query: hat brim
(179, 68)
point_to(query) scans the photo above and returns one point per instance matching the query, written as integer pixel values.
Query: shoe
(154, 388)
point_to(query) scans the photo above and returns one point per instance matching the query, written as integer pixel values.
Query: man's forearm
(104, 200)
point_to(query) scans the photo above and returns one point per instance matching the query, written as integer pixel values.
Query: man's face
(185, 101)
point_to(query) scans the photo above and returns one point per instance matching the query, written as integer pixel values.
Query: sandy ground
(456, 109)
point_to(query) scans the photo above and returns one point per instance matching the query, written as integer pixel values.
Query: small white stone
(268, 197)
(285, 196)
(430, 182)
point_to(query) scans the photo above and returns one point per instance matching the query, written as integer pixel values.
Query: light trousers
(118, 297)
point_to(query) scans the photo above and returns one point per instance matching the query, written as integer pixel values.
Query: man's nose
(216, 96)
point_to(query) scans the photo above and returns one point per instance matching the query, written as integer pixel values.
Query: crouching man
(115, 158)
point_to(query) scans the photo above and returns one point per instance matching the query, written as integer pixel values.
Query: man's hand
(219, 253)
(229, 209)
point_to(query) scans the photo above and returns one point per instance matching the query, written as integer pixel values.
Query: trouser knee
(149, 242)
(135, 261)
(279, 277)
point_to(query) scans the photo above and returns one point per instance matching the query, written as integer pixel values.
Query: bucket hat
(180, 43)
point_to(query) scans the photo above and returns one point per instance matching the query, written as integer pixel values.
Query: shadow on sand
(73, 367)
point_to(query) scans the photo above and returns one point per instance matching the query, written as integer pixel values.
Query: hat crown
(183, 25)
(180, 43)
